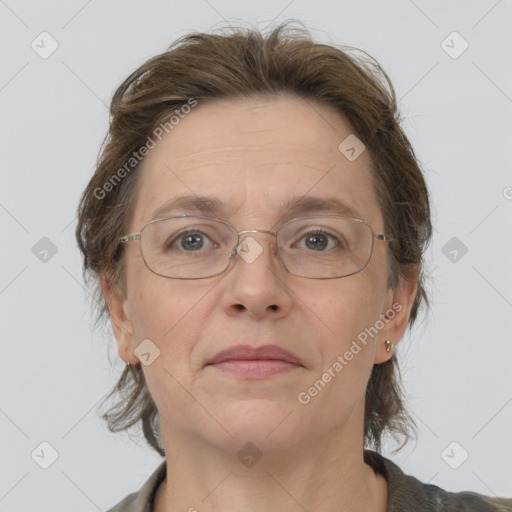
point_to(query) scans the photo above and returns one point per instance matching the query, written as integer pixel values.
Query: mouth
(250, 362)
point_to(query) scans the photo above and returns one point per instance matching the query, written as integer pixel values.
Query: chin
(266, 424)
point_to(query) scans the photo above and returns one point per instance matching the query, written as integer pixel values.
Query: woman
(255, 229)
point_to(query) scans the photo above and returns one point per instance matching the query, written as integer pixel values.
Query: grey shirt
(405, 493)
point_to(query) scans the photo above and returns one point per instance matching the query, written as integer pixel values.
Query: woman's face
(255, 156)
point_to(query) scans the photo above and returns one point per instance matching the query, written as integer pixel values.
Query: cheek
(156, 308)
(151, 306)
(156, 302)
(173, 315)
(348, 311)
(349, 305)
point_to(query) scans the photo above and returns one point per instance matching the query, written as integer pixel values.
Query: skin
(254, 154)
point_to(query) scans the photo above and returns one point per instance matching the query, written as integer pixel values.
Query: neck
(313, 476)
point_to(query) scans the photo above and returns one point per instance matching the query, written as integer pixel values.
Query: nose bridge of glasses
(243, 232)
(244, 245)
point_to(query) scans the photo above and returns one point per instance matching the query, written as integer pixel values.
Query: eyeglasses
(316, 247)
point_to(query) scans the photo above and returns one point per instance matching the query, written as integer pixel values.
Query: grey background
(55, 369)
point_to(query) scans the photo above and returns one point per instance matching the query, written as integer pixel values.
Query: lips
(250, 353)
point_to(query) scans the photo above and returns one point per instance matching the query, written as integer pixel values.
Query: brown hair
(244, 62)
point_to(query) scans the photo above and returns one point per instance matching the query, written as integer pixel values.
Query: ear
(397, 311)
(122, 324)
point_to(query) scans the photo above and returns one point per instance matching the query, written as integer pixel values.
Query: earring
(389, 346)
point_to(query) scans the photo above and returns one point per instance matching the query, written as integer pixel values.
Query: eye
(318, 240)
(190, 241)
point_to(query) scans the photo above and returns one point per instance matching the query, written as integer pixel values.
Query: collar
(405, 492)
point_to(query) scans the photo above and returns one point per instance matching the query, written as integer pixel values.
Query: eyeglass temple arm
(385, 238)
(129, 238)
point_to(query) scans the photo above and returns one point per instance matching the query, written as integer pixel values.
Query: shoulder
(408, 493)
(142, 500)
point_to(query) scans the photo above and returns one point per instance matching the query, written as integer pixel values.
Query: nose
(249, 248)
(256, 281)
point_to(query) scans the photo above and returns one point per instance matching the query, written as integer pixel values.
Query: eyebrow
(213, 205)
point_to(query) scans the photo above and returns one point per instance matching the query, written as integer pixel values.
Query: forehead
(255, 156)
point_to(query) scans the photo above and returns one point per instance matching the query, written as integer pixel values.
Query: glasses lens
(187, 247)
(325, 247)
(198, 247)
